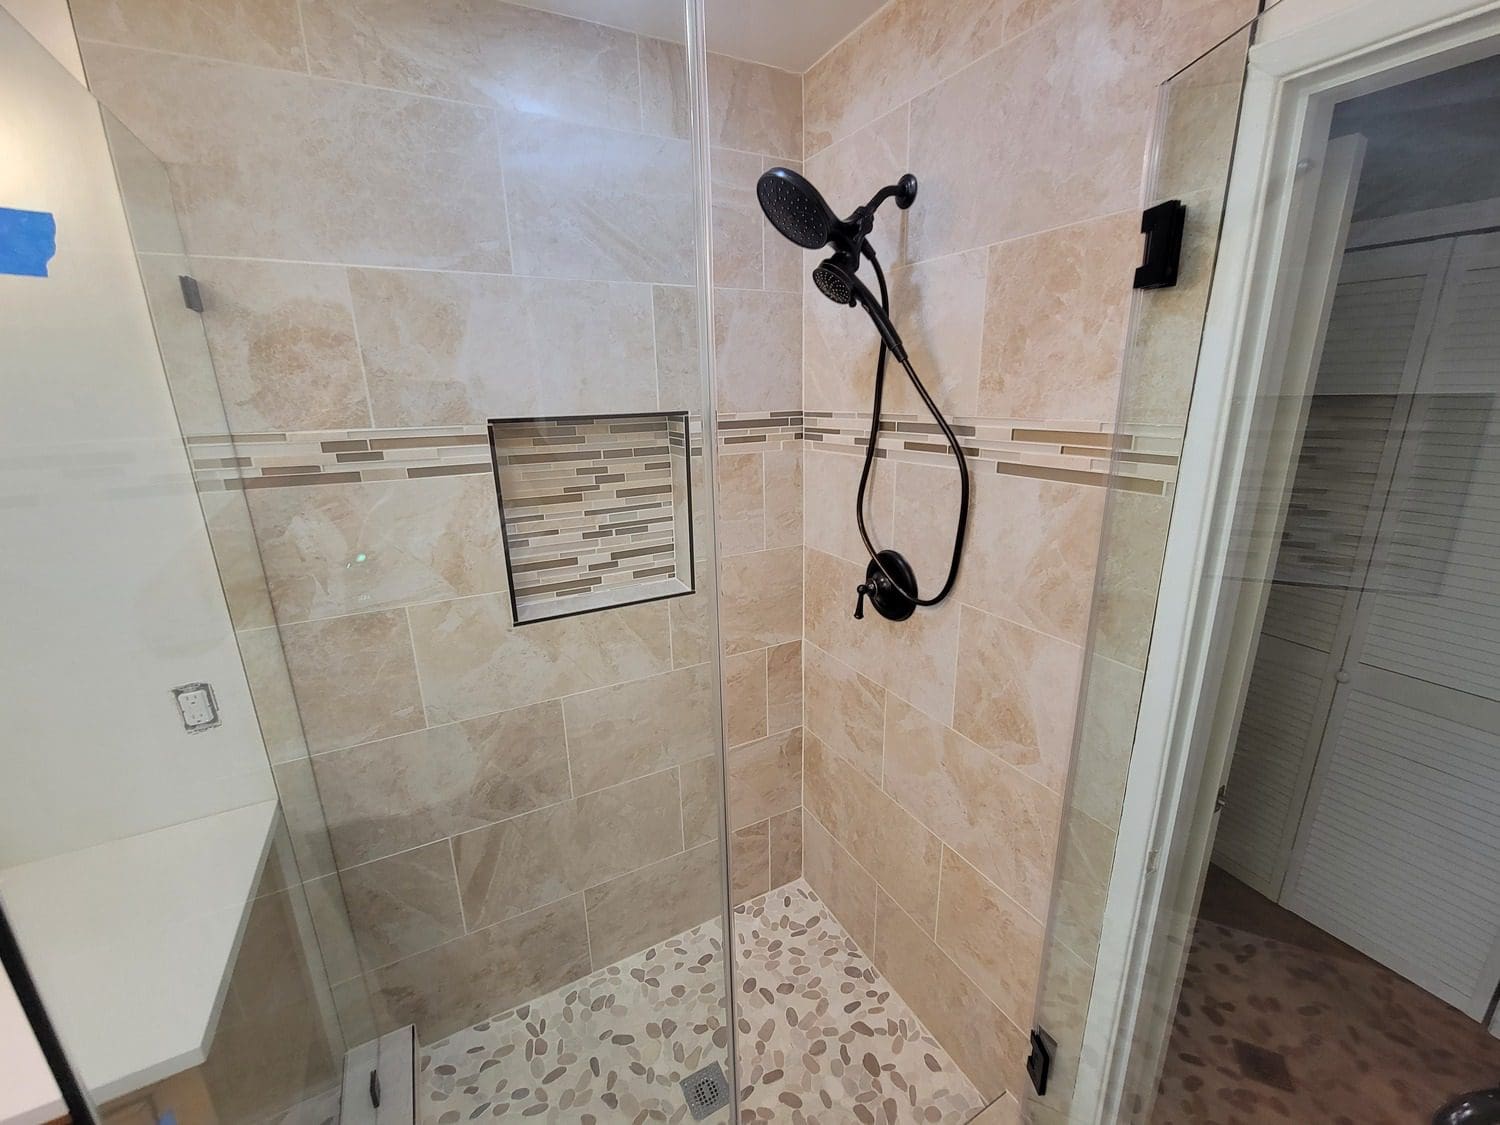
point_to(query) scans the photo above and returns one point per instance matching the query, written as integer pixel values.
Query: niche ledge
(596, 511)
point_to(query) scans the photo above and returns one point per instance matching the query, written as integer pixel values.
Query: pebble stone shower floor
(823, 1038)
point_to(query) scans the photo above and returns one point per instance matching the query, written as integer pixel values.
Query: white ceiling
(791, 34)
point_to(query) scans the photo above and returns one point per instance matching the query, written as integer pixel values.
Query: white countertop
(131, 942)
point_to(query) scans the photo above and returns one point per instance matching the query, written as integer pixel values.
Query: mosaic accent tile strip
(1069, 451)
(824, 1039)
(757, 433)
(593, 506)
(336, 456)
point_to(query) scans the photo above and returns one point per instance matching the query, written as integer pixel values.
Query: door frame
(1184, 737)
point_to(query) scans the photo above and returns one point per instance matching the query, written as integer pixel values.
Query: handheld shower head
(836, 279)
(797, 209)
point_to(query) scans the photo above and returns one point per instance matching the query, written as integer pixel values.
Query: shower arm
(880, 318)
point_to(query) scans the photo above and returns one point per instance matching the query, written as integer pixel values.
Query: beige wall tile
(1055, 315)
(1076, 92)
(430, 342)
(1135, 535)
(664, 88)
(915, 658)
(378, 545)
(501, 54)
(846, 888)
(638, 910)
(1086, 855)
(1032, 551)
(354, 677)
(403, 904)
(998, 819)
(750, 862)
(1004, 1110)
(786, 847)
(765, 778)
(473, 662)
(679, 368)
(689, 629)
(758, 342)
(753, 107)
(741, 503)
(939, 310)
(702, 794)
(596, 203)
(539, 857)
(988, 936)
(628, 730)
(278, 165)
(760, 599)
(330, 919)
(460, 982)
(745, 696)
(284, 347)
(905, 48)
(265, 33)
(832, 484)
(846, 711)
(886, 840)
(394, 794)
(783, 514)
(237, 559)
(988, 1048)
(738, 239)
(1112, 702)
(850, 171)
(302, 808)
(271, 692)
(1016, 696)
(784, 686)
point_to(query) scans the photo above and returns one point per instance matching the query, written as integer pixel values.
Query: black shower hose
(864, 476)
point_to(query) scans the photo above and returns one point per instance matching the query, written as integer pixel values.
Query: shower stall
(438, 515)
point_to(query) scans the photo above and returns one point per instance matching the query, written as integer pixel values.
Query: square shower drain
(705, 1091)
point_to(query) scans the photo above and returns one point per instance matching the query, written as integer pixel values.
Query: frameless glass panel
(165, 900)
(451, 224)
(1192, 149)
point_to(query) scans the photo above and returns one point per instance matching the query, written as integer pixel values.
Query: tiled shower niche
(596, 510)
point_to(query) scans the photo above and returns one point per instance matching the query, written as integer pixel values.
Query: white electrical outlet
(199, 708)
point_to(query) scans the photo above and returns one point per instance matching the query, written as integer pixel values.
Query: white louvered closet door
(1399, 848)
(1383, 309)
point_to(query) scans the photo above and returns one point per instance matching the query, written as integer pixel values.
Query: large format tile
(284, 348)
(459, 983)
(990, 813)
(738, 242)
(277, 165)
(749, 862)
(996, 943)
(473, 661)
(761, 599)
(628, 730)
(899, 52)
(765, 778)
(786, 847)
(679, 364)
(597, 203)
(403, 904)
(638, 909)
(784, 686)
(354, 677)
(1055, 314)
(986, 1045)
(514, 57)
(266, 33)
(845, 887)
(702, 796)
(885, 838)
(226, 517)
(450, 349)
(741, 503)
(758, 341)
(939, 310)
(754, 107)
(845, 710)
(394, 794)
(378, 545)
(745, 696)
(830, 493)
(1016, 695)
(539, 857)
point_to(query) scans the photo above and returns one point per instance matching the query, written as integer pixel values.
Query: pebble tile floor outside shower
(823, 1037)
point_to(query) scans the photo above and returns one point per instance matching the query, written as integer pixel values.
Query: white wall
(108, 592)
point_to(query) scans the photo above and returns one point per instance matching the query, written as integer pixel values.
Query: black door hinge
(192, 296)
(1039, 1062)
(1162, 225)
(375, 1088)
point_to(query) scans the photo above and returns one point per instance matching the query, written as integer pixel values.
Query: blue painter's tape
(28, 240)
